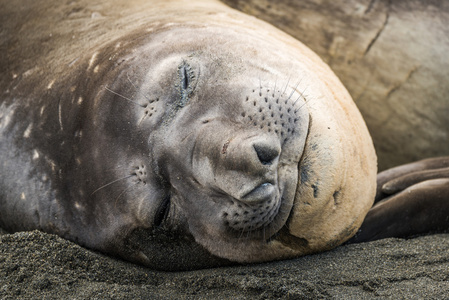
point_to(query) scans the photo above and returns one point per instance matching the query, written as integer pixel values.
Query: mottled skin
(175, 136)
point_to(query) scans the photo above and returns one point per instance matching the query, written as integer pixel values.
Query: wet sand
(39, 265)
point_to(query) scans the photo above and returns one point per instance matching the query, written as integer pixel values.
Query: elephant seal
(176, 138)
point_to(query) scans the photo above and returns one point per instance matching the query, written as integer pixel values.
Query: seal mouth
(261, 193)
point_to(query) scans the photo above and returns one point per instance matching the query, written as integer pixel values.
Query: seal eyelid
(162, 212)
(185, 78)
(187, 83)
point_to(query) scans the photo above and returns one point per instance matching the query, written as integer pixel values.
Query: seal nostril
(266, 153)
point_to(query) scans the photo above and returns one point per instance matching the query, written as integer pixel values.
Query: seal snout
(261, 153)
(266, 152)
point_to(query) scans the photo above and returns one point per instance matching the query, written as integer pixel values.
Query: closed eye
(162, 212)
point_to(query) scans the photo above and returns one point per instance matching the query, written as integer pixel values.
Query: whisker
(135, 87)
(263, 241)
(274, 89)
(117, 168)
(293, 91)
(126, 98)
(249, 231)
(141, 120)
(114, 181)
(286, 86)
(307, 101)
(301, 94)
(299, 108)
(124, 191)
(241, 235)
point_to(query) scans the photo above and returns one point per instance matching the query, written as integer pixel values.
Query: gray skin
(139, 137)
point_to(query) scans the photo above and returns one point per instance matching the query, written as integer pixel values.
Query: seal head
(184, 141)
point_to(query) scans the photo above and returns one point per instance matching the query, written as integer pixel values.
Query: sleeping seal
(176, 138)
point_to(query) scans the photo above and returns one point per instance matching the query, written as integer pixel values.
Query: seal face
(183, 144)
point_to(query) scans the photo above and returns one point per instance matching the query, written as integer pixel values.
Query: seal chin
(255, 212)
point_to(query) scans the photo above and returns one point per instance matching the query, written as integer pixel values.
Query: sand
(38, 265)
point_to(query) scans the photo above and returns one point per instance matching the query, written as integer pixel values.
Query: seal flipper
(421, 208)
(396, 179)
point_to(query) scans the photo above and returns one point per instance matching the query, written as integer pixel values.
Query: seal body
(176, 138)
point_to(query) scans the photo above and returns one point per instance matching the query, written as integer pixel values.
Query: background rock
(390, 55)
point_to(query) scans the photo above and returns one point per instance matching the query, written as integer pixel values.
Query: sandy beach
(38, 265)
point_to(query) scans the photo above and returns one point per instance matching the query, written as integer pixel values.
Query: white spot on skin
(29, 72)
(14, 76)
(26, 133)
(80, 100)
(52, 165)
(97, 67)
(92, 60)
(78, 206)
(50, 85)
(22, 196)
(5, 115)
(60, 116)
(72, 89)
(118, 45)
(35, 154)
(42, 110)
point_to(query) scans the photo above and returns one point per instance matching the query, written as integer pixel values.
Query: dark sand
(39, 265)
